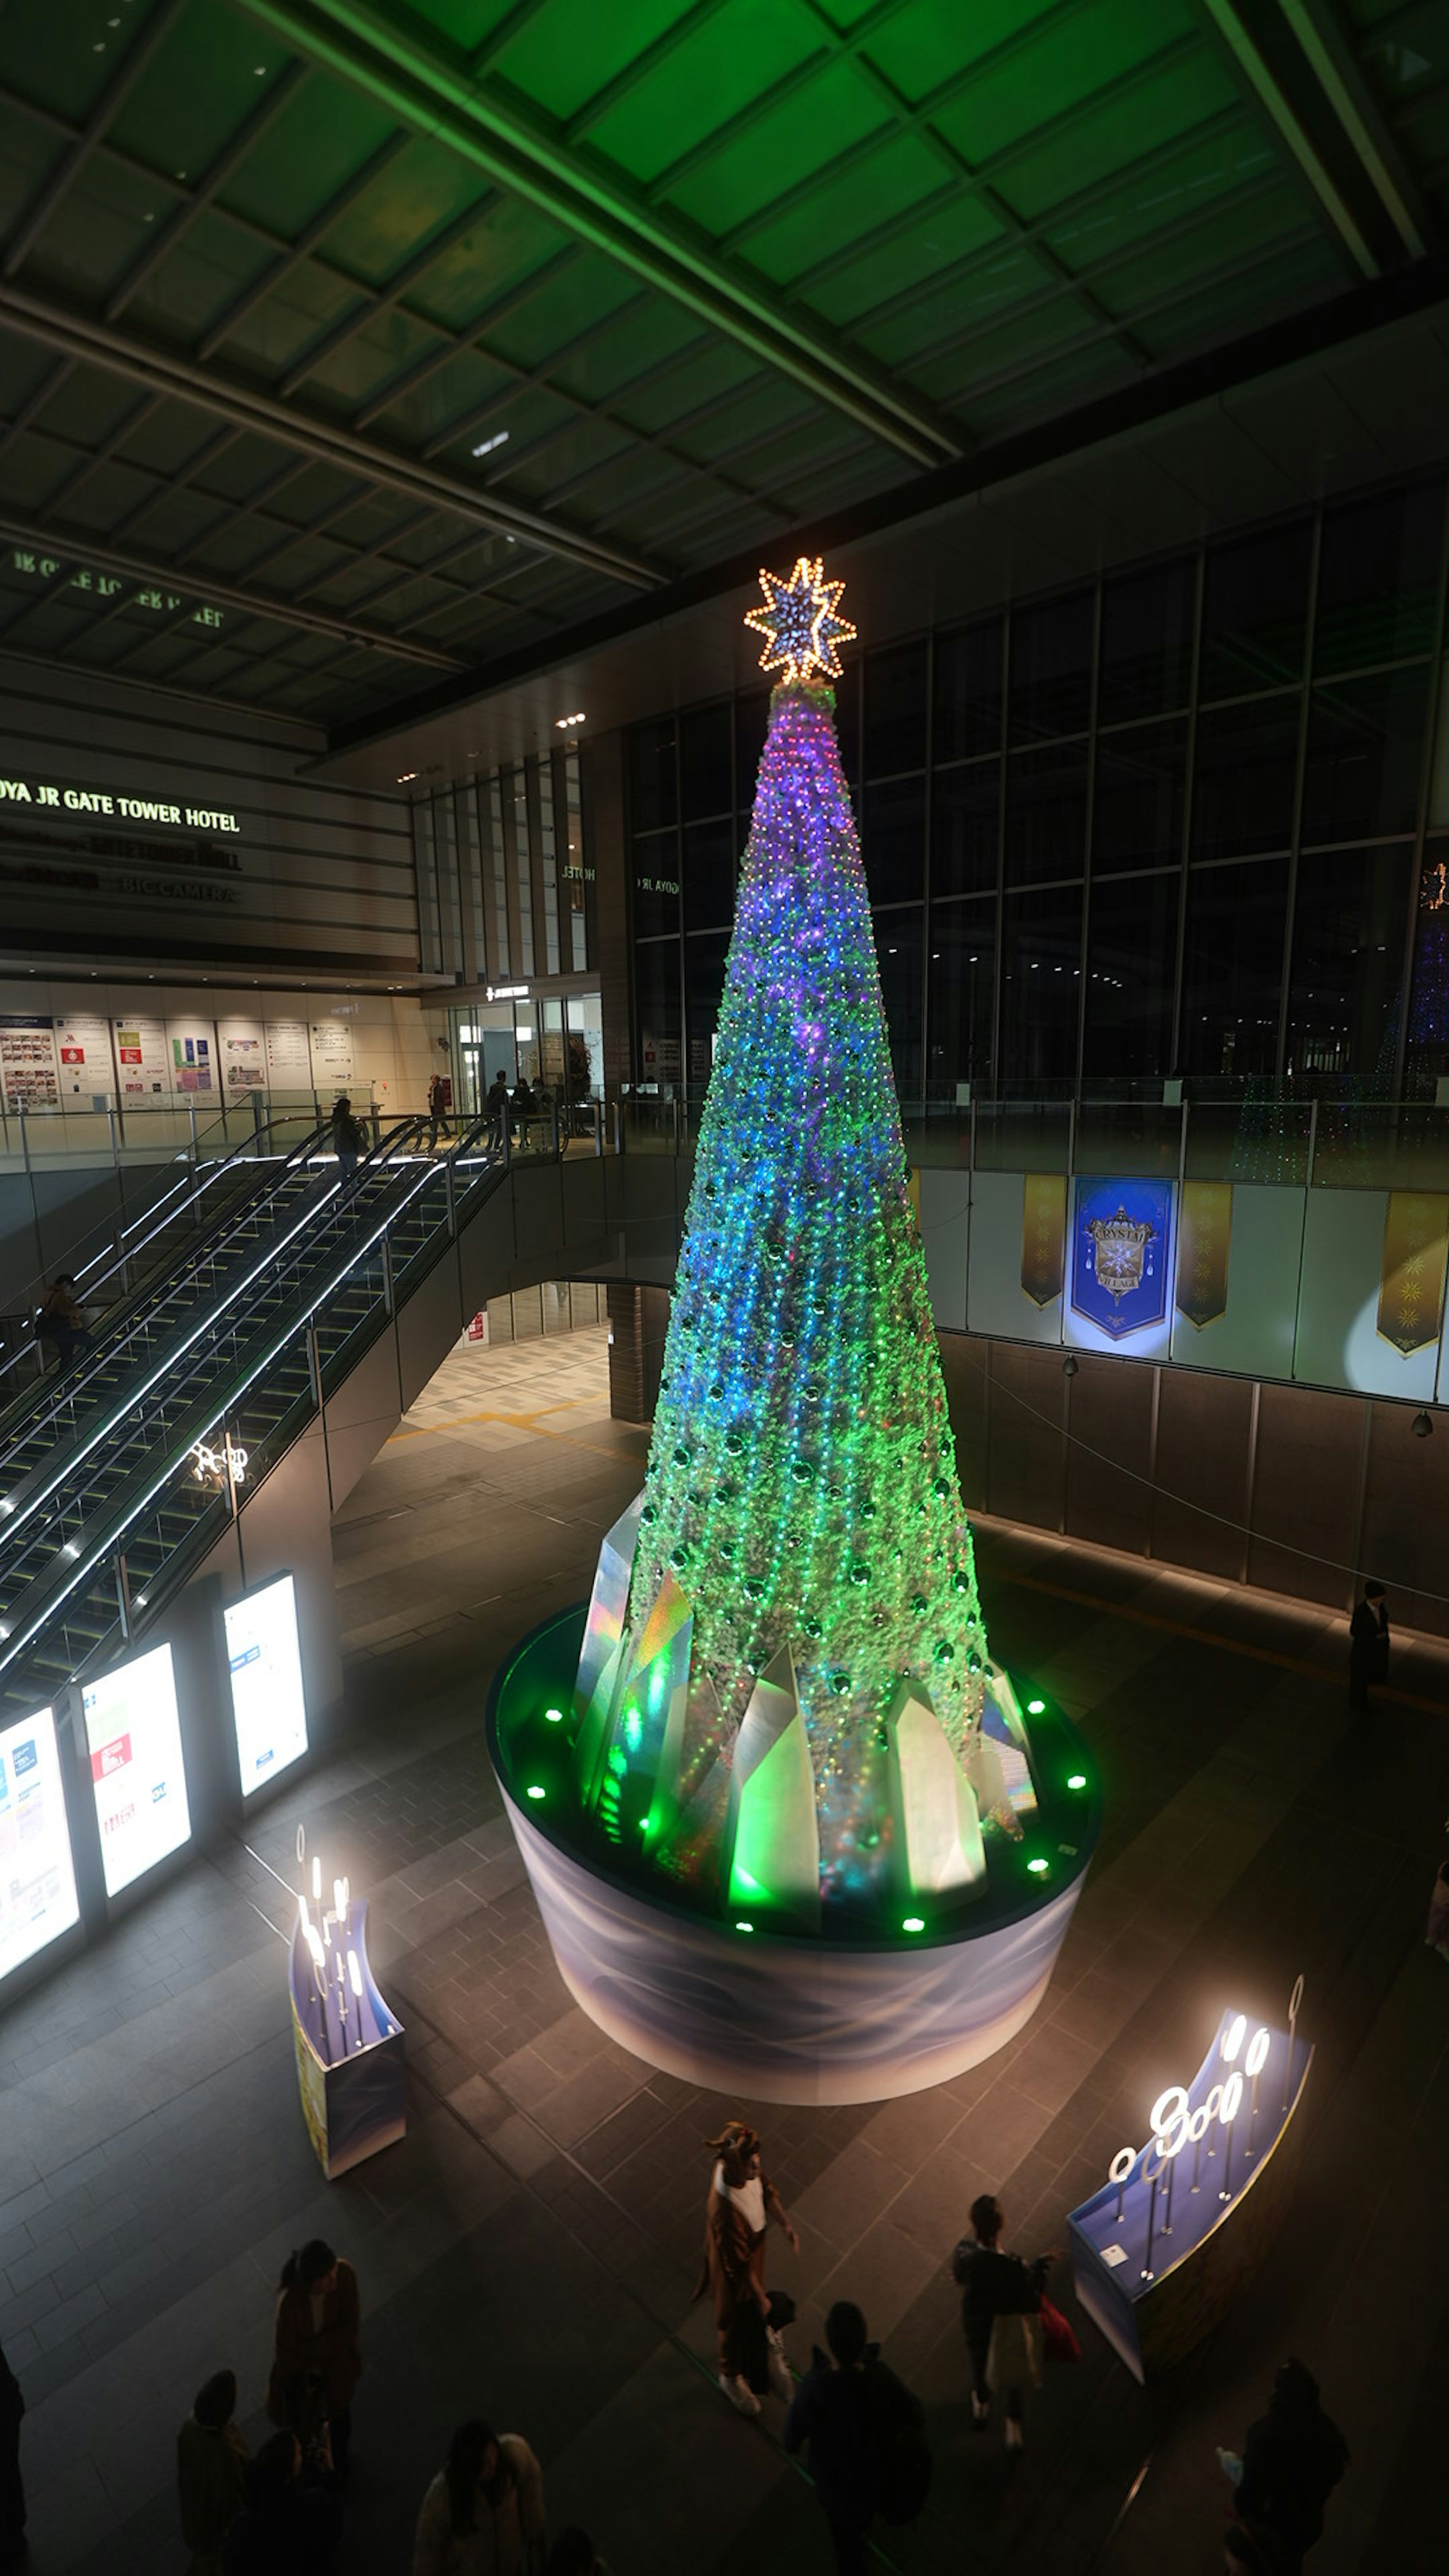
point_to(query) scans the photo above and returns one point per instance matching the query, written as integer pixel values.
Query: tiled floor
(528, 2252)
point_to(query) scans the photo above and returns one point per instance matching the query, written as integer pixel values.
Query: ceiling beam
(432, 86)
(160, 370)
(70, 164)
(78, 548)
(1339, 76)
(1269, 64)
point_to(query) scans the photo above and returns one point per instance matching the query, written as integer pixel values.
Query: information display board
(143, 1068)
(289, 1063)
(37, 1878)
(138, 1777)
(243, 1055)
(27, 1063)
(331, 1054)
(83, 1044)
(267, 1704)
(192, 1048)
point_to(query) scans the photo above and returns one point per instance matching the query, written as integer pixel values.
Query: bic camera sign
(94, 800)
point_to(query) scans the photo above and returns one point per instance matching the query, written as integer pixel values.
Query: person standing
(1000, 2302)
(1291, 2462)
(317, 2361)
(437, 1109)
(742, 2201)
(211, 2461)
(483, 2513)
(61, 1320)
(496, 1105)
(521, 1106)
(860, 2422)
(349, 1140)
(12, 2490)
(1368, 1645)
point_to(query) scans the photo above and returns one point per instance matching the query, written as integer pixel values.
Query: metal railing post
(554, 1115)
(597, 1109)
(618, 1109)
(24, 1140)
(674, 1125)
(1182, 1153)
(115, 1144)
(1312, 1139)
(258, 1121)
(314, 1366)
(452, 1201)
(123, 1595)
(387, 1282)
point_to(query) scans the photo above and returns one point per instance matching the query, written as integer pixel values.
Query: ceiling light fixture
(486, 446)
(561, 724)
(404, 775)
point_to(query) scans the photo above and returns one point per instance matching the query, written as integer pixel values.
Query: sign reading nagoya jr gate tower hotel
(48, 796)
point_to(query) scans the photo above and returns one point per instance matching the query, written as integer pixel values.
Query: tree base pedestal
(849, 2014)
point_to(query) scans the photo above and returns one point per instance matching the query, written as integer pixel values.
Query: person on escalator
(349, 1140)
(61, 1321)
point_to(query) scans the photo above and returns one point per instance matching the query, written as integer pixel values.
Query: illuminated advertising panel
(133, 1737)
(37, 1881)
(267, 1705)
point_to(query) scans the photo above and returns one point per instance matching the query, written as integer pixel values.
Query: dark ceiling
(349, 350)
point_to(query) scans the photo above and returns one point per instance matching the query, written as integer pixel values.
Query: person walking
(521, 1106)
(289, 2525)
(483, 2513)
(12, 2488)
(1368, 1645)
(62, 1321)
(862, 2425)
(437, 1110)
(349, 1139)
(496, 1105)
(1000, 2304)
(1291, 2462)
(317, 2360)
(742, 2201)
(211, 2464)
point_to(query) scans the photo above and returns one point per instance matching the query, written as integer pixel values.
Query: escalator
(110, 1520)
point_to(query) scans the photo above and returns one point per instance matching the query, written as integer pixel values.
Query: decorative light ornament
(800, 624)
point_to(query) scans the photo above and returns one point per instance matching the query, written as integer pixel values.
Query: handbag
(1057, 2336)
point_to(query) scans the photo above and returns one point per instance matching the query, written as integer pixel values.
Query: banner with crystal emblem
(1121, 1238)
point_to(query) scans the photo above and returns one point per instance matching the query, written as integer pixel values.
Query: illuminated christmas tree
(783, 1674)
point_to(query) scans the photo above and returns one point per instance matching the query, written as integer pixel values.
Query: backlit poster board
(143, 1068)
(138, 1778)
(84, 1048)
(267, 1705)
(242, 1053)
(191, 1046)
(289, 1060)
(37, 1880)
(331, 1054)
(27, 1064)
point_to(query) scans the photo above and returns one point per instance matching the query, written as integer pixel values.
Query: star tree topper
(799, 622)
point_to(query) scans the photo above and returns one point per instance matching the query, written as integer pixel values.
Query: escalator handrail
(55, 1589)
(277, 1168)
(61, 1461)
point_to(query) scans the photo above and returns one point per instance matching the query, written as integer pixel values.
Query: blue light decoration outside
(1121, 1240)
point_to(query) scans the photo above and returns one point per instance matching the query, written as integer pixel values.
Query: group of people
(512, 1113)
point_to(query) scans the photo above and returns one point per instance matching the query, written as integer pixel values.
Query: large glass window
(653, 777)
(1046, 813)
(1428, 1052)
(1131, 974)
(1051, 668)
(965, 828)
(1137, 809)
(1244, 770)
(960, 980)
(1041, 957)
(657, 996)
(1350, 920)
(709, 875)
(1378, 579)
(752, 723)
(706, 778)
(967, 715)
(894, 840)
(656, 884)
(895, 710)
(1233, 968)
(1365, 740)
(1145, 664)
(899, 940)
(1255, 611)
(704, 971)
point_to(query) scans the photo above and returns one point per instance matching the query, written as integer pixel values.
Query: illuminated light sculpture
(347, 2045)
(784, 1710)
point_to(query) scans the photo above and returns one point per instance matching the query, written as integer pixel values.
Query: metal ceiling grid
(427, 332)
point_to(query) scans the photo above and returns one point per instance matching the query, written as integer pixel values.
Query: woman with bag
(318, 2358)
(1001, 2316)
(742, 2201)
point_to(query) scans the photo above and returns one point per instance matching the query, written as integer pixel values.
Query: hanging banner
(27, 1064)
(191, 1046)
(1205, 1228)
(289, 1062)
(1043, 1235)
(242, 1055)
(84, 1048)
(331, 1054)
(1412, 1267)
(143, 1066)
(1119, 1254)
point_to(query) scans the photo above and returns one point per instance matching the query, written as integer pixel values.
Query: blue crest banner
(1120, 1242)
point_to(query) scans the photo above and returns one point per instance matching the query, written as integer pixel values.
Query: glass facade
(506, 887)
(1181, 821)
